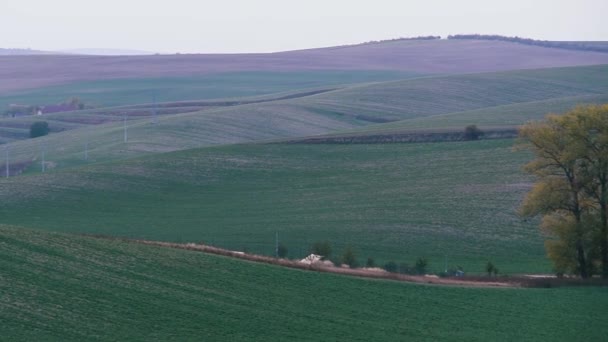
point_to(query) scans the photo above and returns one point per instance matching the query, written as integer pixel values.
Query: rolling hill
(390, 202)
(23, 52)
(72, 288)
(431, 96)
(133, 91)
(434, 56)
(502, 99)
(452, 203)
(503, 117)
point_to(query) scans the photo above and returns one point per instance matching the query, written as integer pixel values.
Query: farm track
(142, 111)
(519, 281)
(180, 107)
(362, 273)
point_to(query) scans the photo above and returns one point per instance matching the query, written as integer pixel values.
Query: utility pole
(125, 126)
(276, 245)
(155, 111)
(7, 164)
(42, 150)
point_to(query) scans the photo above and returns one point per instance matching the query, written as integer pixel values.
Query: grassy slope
(431, 96)
(12, 129)
(117, 92)
(437, 56)
(177, 132)
(504, 116)
(62, 287)
(389, 201)
(495, 99)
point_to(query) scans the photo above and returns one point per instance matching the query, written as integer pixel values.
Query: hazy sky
(275, 25)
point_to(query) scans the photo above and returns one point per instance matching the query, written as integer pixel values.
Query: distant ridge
(423, 56)
(23, 52)
(569, 45)
(107, 52)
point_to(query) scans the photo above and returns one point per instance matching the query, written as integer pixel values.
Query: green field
(221, 164)
(491, 117)
(175, 132)
(70, 288)
(107, 93)
(430, 96)
(446, 102)
(391, 202)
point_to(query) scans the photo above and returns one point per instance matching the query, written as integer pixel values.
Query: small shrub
(349, 257)
(490, 268)
(39, 129)
(404, 268)
(322, 248)
(472, 132)
(391, 266)
(282, 251)
(421, 265)
(370, 263)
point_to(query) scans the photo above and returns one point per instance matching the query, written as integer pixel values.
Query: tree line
(585, 46)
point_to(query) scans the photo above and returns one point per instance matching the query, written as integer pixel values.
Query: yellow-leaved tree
(571, 190)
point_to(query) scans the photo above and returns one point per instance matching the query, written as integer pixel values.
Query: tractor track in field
(354, 272)
(479, 281)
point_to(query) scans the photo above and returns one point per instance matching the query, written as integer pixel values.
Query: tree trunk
(582, 263)
(604, 227)
(580, 250)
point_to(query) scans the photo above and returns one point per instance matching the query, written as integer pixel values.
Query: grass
(493, 99)
(427, 57)
(176, 132)
(391, 202)
(504, 116)
(71, 288)
(431, 96)
(117, 92)
(18, 128)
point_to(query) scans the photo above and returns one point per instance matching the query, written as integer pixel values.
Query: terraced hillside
(391, 202)
(71, 288)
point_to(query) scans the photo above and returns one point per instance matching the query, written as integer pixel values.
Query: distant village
(19, 110)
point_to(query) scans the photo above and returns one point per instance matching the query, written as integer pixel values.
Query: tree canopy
(571, 191)
(39, 129)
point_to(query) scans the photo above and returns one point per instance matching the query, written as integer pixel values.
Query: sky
(238, 26)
